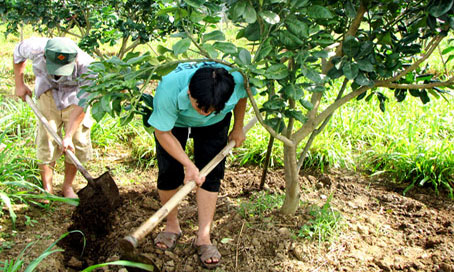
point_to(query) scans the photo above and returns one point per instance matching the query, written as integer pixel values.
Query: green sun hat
(61, 56)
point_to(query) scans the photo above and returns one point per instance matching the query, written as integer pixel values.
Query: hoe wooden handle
(57, 138)
(131, 241)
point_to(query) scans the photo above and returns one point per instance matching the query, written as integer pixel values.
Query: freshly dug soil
(381, 230)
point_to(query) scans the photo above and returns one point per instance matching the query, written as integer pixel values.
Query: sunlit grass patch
(259, 204)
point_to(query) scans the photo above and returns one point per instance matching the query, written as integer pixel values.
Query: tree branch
(431, 85)
(273, 133)
(319, 129)
(310, 125)
(133, 45)
(432, 45)
(353, 29)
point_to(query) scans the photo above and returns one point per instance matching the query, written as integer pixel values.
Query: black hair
(211, 88)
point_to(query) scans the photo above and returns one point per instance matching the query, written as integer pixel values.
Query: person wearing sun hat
(58, 64)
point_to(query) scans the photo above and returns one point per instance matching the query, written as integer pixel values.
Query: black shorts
(208, 142)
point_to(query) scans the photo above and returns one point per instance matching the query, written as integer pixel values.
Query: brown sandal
(207, 252)
(169, 239)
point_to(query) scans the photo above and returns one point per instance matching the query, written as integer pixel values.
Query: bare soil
(382, 229)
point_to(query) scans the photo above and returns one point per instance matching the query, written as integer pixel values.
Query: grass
(409, 141)
(325, 224)
(259, 204)
(18, 263)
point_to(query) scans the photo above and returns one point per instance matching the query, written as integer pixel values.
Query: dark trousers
(208, 142)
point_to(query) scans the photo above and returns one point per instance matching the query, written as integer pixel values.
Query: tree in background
(93, 22)
(296, 51)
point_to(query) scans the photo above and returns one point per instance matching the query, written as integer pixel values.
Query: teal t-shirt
(171, 104)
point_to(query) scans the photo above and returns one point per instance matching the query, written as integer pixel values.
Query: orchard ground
(380, 230)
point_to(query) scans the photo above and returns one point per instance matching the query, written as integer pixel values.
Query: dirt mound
(381, 229)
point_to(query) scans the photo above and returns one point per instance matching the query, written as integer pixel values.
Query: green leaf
(257, 82)
(216, 35)
(440, 7)
(288, 41)
(298, 115)
(250, 15)
(351, 46)
(124, 120)
(225, 47)
(270, 17)
(277, 71)
(238, 9)
(450, 58)
(415, 92)
(306, 104)
(162, 50)
(319, 12)
(274, 104)
(350, 9)
(276, 123)
(137, 59)
(181, 46)
(244, 56)
(362, 80)
(116, 106)
(7, 201)
(350, 70)
(434, 93)
(141, 266)
(361, 96)
(164, 69)
(105, 103)
(320, 54)
(311, 74)
(365, 50)
(447, 50)
(424, 97)
(400, 94)
(385, 38)
(226, 240)
(297, 27)
(293, 92)
(264, 51)
(97, 111)
(211, 50)
(334, 73)
(195, 3)
(251, 32)
(365, 65)
(298, 4)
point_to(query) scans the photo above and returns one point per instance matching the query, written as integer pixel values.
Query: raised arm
(21, 88)
(237, 133)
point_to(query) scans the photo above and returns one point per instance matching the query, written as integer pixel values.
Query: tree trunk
(292, 190)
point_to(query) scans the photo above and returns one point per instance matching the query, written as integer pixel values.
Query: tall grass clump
(19, 175)
(410, 141)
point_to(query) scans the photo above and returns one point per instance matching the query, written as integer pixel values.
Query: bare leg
(172, 223)
(206, 204)
(70, 175)
(47, 172)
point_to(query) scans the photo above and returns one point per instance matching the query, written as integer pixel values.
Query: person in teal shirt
(195, 100)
